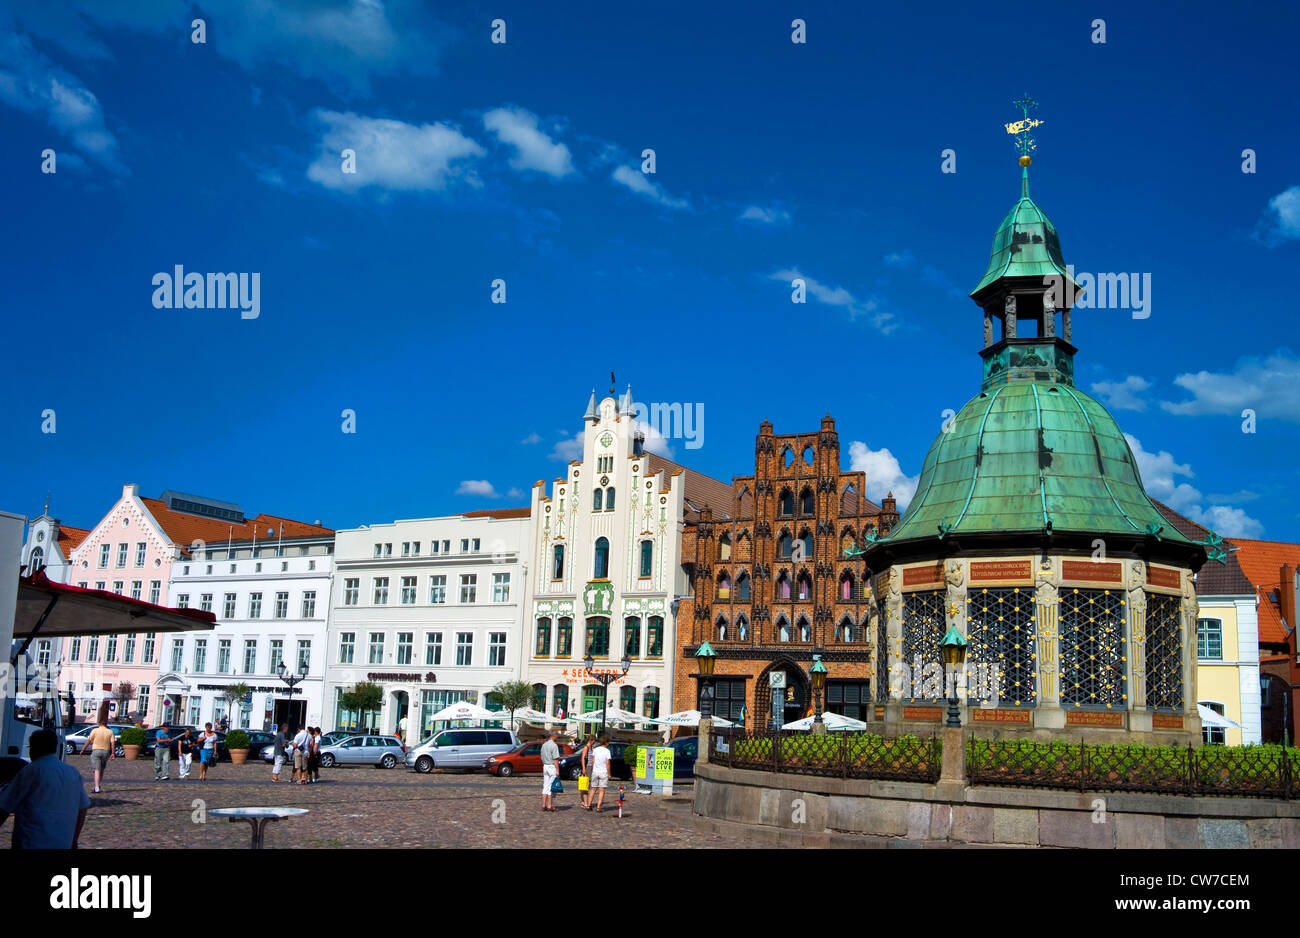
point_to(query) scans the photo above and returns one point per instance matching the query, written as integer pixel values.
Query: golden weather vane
(1024, 142)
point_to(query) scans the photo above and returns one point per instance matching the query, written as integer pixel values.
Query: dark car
(151, 736)
(685, 750)
(571, 766)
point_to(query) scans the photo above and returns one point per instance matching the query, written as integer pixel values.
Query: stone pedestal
(952, 773)
(819, 729)
(702, 734)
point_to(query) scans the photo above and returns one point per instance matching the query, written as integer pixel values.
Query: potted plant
(237, 746)
(132, 739)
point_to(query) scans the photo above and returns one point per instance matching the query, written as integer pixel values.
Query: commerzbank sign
(428, 677)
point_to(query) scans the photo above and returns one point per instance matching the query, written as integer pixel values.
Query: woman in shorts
(207, 750)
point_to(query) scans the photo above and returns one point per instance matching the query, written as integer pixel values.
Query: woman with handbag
(584, 778)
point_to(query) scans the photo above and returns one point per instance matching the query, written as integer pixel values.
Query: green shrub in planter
(132, 736)
(236, 739)
(629, 757)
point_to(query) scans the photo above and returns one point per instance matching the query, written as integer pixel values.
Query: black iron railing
(836, 755)
(1250, 771)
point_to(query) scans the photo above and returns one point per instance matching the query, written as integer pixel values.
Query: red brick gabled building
(1271, 567)
(772, 585)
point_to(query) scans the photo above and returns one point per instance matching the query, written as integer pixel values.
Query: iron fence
(1259, 772)
(835, 755)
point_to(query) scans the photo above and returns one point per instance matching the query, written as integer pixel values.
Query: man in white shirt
(600, 757)
(301, 754)
(46, 798)
(550, 768)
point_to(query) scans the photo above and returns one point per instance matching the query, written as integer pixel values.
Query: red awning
(53, 610)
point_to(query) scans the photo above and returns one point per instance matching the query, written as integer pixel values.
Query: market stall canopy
(833, 721)
(1210, 718)
(54, 610)
(688, 718)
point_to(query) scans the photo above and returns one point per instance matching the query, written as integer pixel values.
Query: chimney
(888, 513)
(130, 490)
(1286, 595)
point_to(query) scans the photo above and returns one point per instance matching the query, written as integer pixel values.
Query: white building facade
(606, 561)
(271, 600)
(431, 611)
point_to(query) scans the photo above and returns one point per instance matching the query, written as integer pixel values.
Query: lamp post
(293, 680)
(705, 658)
(605, 680)
(819, 685)
(954, 656)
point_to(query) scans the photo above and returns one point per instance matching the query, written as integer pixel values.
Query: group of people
(594, 761)
(303, 749)
(181, 748)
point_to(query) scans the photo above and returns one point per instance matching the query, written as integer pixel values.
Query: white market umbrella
(1210, 718)
(688, 718)
(833, 721)
(610, 715)
(464, 710)
(529, 715)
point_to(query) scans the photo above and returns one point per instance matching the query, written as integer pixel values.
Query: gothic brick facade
(771, 582)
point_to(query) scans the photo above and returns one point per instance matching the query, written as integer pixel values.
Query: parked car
(73, 743)
(571, 765)
(385, 751)
(337, 736)
(151, 736)
(460, 749)
(526, 757)
(685, 749)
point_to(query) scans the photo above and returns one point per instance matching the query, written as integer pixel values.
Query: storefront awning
(54, 610)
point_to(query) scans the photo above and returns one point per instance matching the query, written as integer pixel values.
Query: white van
(466, 749)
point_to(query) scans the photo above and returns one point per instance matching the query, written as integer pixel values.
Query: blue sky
(522, 161)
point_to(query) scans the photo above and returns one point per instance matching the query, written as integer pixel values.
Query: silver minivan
(464, 749)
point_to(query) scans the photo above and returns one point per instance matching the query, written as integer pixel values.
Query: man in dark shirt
(278, 752)
(47, 799)
(162, 754)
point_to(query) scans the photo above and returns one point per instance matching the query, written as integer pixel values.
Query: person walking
(313, 754)
(183, 748)
(277, 751)
(301, 753)
(101, 744)
(162, 753)
(584, 761)
(207, 750)
(46, 798)
(600, 757)
(550, 769)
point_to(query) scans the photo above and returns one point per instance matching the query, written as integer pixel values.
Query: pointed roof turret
(591, 407)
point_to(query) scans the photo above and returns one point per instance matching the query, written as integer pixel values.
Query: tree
(234, 695)
(514, 695)
(124, 693)
(365, 698)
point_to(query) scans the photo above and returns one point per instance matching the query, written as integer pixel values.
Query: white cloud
(842, 298)
(515, 493)
(480, 487)
(31, 82)
(640, 183)
(1123, 395)
(906, 260)
(1281, 222)
(1160, 474)
(765, 216)
(533, 149)
(391, 154)
(883, 474)
(1270, 387)
(655, 442)
(531, 439)
(569, 448)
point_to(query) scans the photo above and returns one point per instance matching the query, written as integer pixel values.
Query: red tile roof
(184, 529)
(69, 538)
(1262, 562)
(498, 513)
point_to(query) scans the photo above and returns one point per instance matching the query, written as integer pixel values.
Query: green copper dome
(1030, 456)
(1025, 245)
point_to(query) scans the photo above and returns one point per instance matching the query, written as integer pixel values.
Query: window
(496, 649)
(742, 628)
(475, 545)
(228, 606)
(415, 549)
(137, 586)
(433, 647)
(805, 586)
(609, 498)
(309, 604)
(564, 638)
(557, 562)
(724, 547)
(561, 696)
(598, 637)
(464, 648)
(437, 589)
(408, 590)
(250, 656)
(205, 602)
(406, 548)
(351, 591)
(103, 555)
(379, 550)
(783, 586)
(1093, 648)
(650, 702)
(381, 590)
(807, 539)
(627, 699)
(200, 655)
(600, 568)
(501, 587)
(75, 654)
(376, 648)
(282, 605)
(542, 649)
(464, 545)
(720, 628)
(1164, 652)
(1001, 625)
(99, 585)
(347, 647)
(468, 587)
(728, 699)
(742, 587)
(782, 629)
(255, 605)
(655, 637)
(647, 557)
(178, 649)
(783, 545)
(92, 648)
(118, 586)
(195, 714)
(597, 499)
(155, 591)
(404, 642)
(632, 636)
(110, 648)
(304, 655)
(805, 632)
(388, 550)
(150, 641)
(849, 698)
(139, 553)
(785, 505)
(277, 655)
(83, 584)
(1213, 734)
(807, 502)
(142, 692)
(223, 656)
(128, 651)
(1209, 639)
(846, 586)
(36, 559)
(121, 555)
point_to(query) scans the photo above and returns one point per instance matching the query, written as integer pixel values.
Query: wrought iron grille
(839, 754)
(1001, 624)
(1164, 652)
(1094, 665)
(882, 654)
(923, 627)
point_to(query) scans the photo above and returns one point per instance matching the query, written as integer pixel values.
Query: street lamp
(819, 685)
(293, 680)
(954, 656)
(605, 680)
(706, 658)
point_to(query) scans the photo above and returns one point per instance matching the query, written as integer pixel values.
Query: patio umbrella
(464, 710)
(688, 718)
(529, 715)
(833, 721)
(610, 715)
(1210, 718)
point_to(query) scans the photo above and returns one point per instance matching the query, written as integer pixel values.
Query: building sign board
(998, 715)
(1094, 718)
(1005, 572)
(1091, 571)
(924, 575)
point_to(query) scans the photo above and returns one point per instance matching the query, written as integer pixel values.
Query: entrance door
(293, 712)
(791, 701)
(401, 702)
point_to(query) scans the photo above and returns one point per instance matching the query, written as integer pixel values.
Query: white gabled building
(606, 561)
(430, 610)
